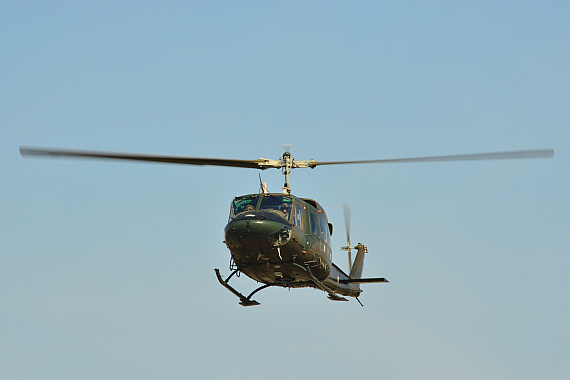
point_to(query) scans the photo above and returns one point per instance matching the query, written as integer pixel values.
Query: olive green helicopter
(278, 239)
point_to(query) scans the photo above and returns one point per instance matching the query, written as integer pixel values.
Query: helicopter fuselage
(275, 238)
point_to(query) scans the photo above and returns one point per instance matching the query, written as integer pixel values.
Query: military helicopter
(278, 239)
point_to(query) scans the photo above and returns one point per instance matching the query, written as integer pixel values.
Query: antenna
(262, 186)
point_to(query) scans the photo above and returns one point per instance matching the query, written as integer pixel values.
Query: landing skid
(247, 301)
(244, 301)
(332, 295)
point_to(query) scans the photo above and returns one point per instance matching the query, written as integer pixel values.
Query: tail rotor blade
(346, 211)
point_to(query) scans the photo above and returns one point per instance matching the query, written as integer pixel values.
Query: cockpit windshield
(279, 204)
(243, 204)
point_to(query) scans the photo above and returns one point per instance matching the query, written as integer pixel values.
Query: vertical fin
(358, 265)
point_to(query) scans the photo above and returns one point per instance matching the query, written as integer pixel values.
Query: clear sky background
(106, 268)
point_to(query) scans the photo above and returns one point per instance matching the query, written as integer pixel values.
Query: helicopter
(278, 239)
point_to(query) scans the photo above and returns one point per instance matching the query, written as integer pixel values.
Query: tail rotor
(346, 211)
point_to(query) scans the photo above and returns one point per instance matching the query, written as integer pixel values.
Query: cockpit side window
(243, 204)
(278, 204)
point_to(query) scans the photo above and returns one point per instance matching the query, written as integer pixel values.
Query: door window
(298, 216)
(313, 223)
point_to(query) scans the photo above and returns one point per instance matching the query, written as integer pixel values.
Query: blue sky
(106, 268)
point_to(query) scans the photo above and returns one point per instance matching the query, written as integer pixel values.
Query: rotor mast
(287, 165)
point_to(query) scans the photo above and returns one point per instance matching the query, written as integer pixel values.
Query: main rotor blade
(542, 153)
(42, 152)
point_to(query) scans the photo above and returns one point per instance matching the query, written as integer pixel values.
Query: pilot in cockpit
(285, 209)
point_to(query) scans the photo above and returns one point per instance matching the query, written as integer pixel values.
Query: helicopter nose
(254, 225)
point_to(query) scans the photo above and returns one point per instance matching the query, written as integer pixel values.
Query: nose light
(281, 237)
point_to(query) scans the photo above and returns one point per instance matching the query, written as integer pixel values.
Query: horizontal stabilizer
(362, 280)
